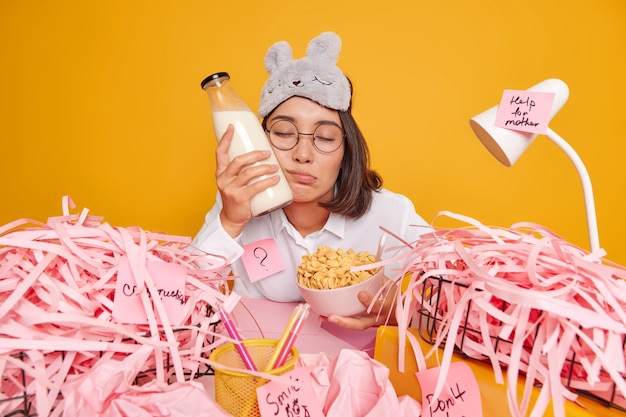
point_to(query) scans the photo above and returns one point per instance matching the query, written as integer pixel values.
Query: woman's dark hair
(356, 182)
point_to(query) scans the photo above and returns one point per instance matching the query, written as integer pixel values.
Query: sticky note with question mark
(262, 259)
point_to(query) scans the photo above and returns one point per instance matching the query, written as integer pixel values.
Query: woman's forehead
(303, 110)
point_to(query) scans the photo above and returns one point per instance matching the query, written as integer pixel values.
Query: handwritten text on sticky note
(169, 280)
(262, 259)
(526, 111)
(460, 396)
(296, 399)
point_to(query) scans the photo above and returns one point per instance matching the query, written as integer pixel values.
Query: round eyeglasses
(327, 137)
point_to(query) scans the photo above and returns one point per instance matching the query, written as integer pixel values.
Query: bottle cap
(214, 77)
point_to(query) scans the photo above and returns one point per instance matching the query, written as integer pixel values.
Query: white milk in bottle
(228, 108)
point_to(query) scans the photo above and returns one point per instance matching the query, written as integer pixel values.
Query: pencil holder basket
(235, 391)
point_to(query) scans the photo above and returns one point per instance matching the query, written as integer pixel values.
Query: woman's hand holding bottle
(234, 183)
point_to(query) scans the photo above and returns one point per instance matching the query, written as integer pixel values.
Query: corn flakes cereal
(328, 268)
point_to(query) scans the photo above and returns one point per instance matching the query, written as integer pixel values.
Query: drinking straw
(232, 332)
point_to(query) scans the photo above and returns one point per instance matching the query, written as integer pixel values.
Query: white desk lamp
(508, 145)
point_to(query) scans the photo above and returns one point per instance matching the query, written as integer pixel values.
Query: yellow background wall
(100, 100)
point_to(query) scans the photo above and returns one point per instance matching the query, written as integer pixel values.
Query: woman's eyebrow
(293, 120)
(283, 117)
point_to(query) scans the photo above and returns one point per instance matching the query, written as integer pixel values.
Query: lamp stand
(592, 223)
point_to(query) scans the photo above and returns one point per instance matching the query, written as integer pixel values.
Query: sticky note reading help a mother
(526, 111)
(460, 396)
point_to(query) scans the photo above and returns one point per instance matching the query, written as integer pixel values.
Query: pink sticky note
(526, 111)
(460, 396)
(296, 399)
(262, 259)
(169, 280)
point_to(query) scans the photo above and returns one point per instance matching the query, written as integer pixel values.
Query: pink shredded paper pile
(57, 285)
(526, 301)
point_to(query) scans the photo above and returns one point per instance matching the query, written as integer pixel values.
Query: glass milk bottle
(228, 108)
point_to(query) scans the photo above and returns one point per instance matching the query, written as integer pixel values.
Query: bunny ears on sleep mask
(315, 76)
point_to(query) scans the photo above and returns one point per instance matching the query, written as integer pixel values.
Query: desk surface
(264, 318)
(493, 395)
(261, 318)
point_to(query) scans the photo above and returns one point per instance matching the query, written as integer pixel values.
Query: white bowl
(342, 301)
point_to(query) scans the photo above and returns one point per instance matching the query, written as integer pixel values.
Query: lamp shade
(508, 145)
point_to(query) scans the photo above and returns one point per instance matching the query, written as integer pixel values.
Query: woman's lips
(302, 177)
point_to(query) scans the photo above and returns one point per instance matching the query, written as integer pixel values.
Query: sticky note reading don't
(460, 396)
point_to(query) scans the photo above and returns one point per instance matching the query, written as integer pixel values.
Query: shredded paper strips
(541, 311)
(57, 296)
(525, 301)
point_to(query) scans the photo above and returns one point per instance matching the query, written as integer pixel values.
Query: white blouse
(392, 211)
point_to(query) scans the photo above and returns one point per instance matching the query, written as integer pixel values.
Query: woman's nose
(304, 150)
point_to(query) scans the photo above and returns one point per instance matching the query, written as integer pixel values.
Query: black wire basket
(23, 403)
(431, 316)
